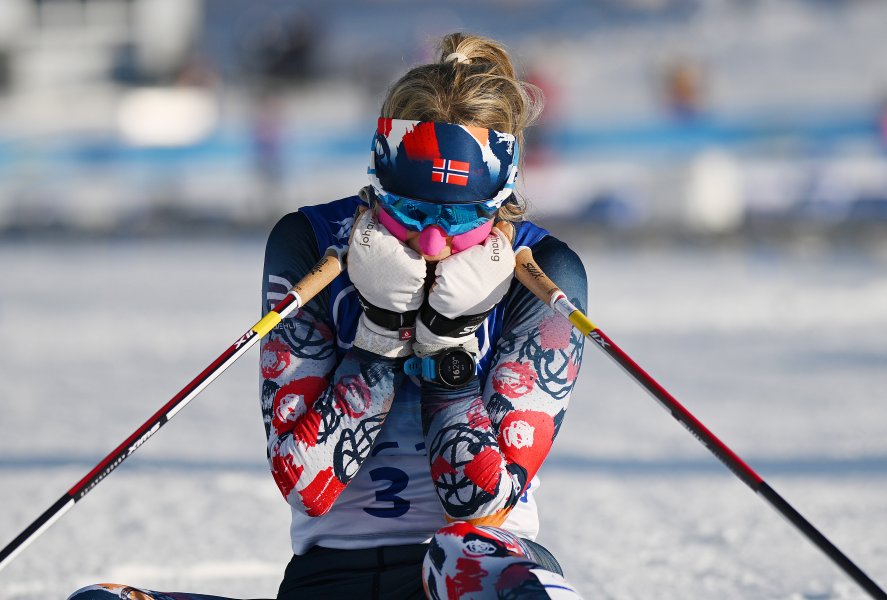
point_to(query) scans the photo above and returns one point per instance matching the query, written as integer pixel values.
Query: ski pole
(321, 275)
(531, 276)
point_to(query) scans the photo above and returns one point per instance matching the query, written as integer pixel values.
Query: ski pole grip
(528, 272)
(534, 278)
(321, 275)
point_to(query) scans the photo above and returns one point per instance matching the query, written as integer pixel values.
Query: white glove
(390, 277)
(468, 285)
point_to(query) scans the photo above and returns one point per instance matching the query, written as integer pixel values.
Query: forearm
(321, 410)
(485, 446)
(472, 478)
(316, 447)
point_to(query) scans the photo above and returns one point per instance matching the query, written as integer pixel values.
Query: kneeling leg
(478, 563)
(114, 591)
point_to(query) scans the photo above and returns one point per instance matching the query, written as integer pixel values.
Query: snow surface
(782, 354)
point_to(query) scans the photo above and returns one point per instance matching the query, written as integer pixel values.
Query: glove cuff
(428, 343)
(440, 325)
(387, 319)
(381, 341)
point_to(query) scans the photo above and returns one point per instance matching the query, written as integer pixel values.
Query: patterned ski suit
(370, 458)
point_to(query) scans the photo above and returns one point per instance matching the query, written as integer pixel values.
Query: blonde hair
(473, 82)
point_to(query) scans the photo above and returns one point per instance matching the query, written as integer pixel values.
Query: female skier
(409, 406)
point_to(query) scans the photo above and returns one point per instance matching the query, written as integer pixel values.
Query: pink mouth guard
(433, 239)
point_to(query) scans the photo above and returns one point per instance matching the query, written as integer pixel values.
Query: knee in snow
(101, 591)
(472, 540)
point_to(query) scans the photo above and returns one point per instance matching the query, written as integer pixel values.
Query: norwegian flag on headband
(450, 171)
(442, 162)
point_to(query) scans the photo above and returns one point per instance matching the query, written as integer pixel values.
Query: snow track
(783, 356)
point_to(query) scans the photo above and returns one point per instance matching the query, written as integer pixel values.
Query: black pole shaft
(8, 552)
(734, 463)
(813, 534)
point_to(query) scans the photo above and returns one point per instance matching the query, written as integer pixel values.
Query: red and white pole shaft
(531, 275)
(320, 276)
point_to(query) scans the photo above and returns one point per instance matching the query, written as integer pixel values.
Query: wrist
(436, 395)
(380, 340)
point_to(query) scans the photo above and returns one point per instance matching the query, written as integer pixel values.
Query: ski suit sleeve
(486, 442)
(321, 414)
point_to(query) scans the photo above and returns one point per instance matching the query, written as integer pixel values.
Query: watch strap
(413, 366)
(425, 367)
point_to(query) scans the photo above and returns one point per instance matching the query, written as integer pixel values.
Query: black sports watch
(452, 368)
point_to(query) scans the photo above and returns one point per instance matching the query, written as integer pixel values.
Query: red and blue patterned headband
(443, 162)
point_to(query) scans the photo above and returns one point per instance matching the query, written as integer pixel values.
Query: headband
(443, 162)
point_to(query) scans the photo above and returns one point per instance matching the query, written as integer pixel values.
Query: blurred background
(670, 116)
(719, 165)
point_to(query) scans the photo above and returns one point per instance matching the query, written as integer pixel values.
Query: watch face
(456, 367)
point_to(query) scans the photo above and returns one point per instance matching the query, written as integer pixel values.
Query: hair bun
(487, 55)
(458, 58)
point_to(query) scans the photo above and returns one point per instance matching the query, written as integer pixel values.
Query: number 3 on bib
(398, 483)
